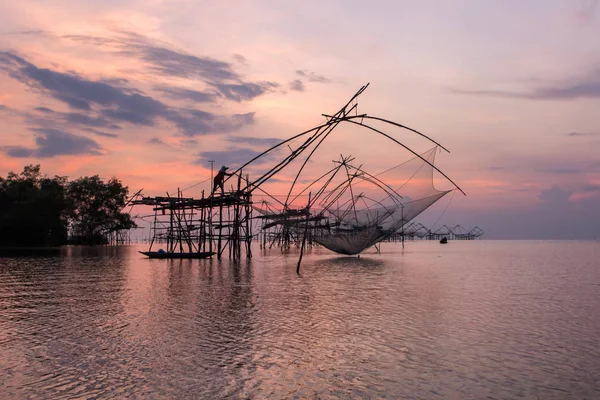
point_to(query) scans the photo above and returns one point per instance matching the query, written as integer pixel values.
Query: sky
(150, 91)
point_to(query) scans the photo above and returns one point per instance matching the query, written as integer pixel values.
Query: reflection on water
(465, 320)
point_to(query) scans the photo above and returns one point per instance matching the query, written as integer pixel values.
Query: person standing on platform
(219, 180)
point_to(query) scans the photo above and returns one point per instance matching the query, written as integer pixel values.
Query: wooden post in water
(180, 228)
(220, 231)
(237, 225)
(170, 245)
(305, 231)
(153, 228)
(248, 220)
(201, 228)
(402, 210)
(210, 210)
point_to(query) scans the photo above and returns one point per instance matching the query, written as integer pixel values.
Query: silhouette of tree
(97, 209)
(34, 209)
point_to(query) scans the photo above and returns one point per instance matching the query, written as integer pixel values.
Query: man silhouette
(219, 180)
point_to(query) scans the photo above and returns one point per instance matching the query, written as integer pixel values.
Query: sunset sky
(149, 91)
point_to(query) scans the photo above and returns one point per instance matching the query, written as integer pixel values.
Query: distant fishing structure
(346, 209)
(418, 231)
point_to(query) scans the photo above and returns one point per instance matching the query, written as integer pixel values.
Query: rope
(443, 212)
(196, 184)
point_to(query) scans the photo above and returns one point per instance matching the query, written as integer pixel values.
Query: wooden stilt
(305, 231)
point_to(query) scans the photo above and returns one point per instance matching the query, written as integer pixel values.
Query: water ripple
(463, 321)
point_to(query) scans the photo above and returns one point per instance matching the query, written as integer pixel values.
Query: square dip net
(346, 208)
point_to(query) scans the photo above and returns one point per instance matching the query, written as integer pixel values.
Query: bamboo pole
(304, 238)
(248, 222)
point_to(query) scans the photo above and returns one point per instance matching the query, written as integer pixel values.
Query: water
(467, 320)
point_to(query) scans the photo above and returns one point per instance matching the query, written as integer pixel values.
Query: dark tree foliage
(34, 209)
(96, 209)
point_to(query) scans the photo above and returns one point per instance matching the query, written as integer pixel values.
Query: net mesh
(380, 205)
(351, 206)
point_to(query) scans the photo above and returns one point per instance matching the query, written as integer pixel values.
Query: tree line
(37, 210)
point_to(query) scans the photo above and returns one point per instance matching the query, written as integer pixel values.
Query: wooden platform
(156, 254)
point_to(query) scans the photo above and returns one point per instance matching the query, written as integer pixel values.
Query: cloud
(584, 87)
(104, 105)
(195, 122)
(578, 134)
(18, 151)
(30, 32)
(488, 93)
(83, 119)
(187, 94)
(157, 141)
(553, 166)
(44, 110)
(145, 118)
(554, 197)
(232, 91)
(161, 59)
(243, 91)
(103, 134)
(240, 58)
(559, 215)
(230, 158)
(255, 141)
(563, 171)
(297, 85)
(188, 143)
(312, 77)
(52, 143)
(173, 63)
(81, 93)
(574, 90)
(591, 188)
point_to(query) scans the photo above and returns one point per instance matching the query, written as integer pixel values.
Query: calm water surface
(467, 320)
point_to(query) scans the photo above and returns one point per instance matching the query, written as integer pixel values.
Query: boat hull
(156, 254)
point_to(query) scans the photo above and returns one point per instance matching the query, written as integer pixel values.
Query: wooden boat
(163, 254)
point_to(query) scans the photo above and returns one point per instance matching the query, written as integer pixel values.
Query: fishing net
(349, 207)
(381, 204)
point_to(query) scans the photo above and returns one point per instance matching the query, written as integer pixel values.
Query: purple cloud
(312, 77)
(297, 85)
(104, 105)
(51, 143)
(583, 87)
